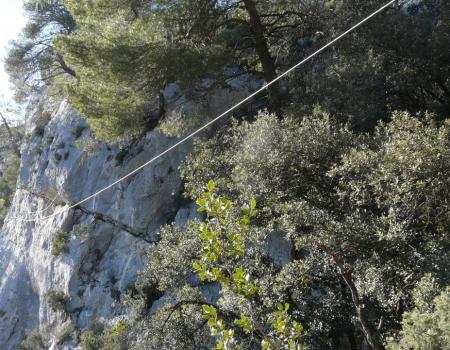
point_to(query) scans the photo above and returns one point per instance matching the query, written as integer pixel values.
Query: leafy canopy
(353, 205)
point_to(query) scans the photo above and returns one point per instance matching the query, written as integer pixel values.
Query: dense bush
(354, 207)
(99, 338)
(427, 326)
(57, 300)
(33, 341)
(60, 242)
(66, 332)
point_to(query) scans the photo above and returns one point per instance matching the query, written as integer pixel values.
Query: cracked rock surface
(59, 168)
(109, 236)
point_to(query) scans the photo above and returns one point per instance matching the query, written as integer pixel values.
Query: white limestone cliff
(98, 269)
(62, 164)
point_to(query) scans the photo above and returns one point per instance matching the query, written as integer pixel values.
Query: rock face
(60, 166)
(109, 236)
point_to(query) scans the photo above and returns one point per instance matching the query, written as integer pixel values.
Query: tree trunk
(368, 333)
(14, 144)
(64, 66)
(267, 61)
(348, 278)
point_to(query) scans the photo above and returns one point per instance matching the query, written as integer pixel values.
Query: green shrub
(33, 341)
(104, 339)
(223, 235)
(57, 300)
(90, 341)
(427, 326)
(66, 332)
(60, 243)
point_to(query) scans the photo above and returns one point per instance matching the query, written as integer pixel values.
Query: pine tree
(126, 52)
(32, 61)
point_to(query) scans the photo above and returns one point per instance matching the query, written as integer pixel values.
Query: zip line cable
(188, 137)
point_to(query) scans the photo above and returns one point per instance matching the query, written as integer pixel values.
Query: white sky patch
(12, 21)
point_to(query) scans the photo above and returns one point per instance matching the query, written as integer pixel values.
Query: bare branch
(14, 144)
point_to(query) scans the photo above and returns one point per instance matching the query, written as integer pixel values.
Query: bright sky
(11, 22)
